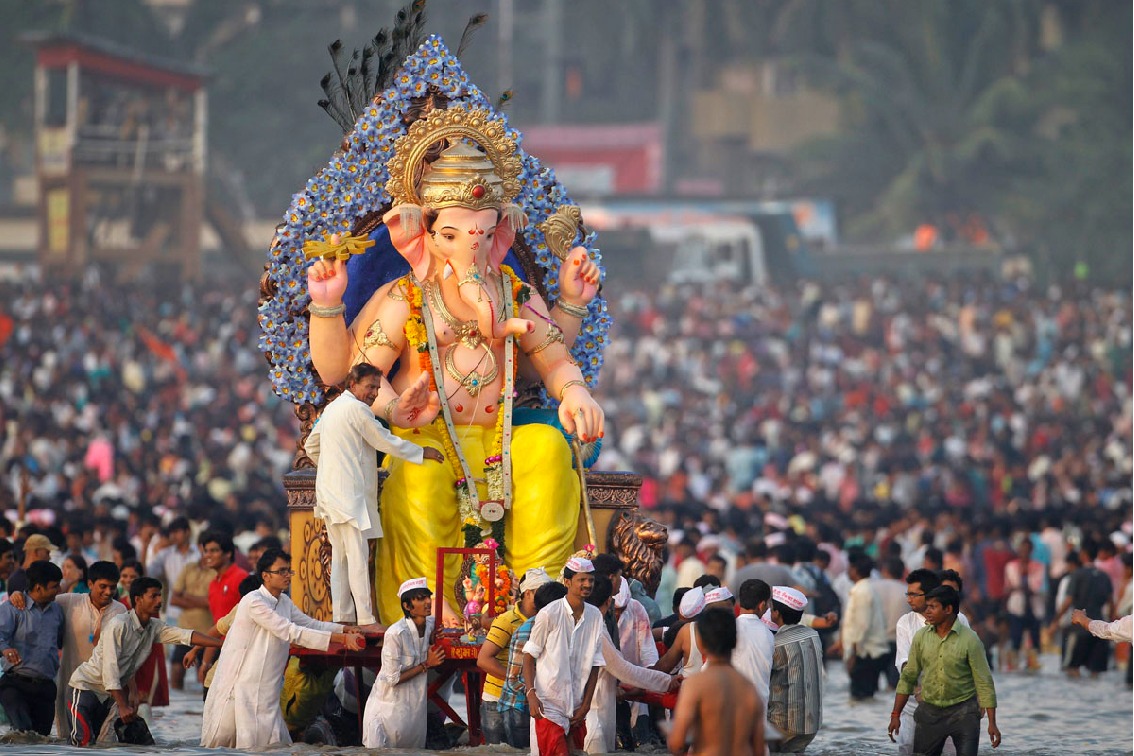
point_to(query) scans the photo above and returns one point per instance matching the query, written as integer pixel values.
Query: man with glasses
(918, 583)
(242, 709)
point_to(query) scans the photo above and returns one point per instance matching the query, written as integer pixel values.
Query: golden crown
(462, 176)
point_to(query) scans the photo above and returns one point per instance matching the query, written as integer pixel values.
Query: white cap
(413, 584)
(709, 542)
(766, 618)
(534, 578)
(718, 594)
(789, 597)
(622, 598)
(578, 564)
(692, 603)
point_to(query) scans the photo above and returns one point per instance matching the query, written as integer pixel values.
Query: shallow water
(1044, 714)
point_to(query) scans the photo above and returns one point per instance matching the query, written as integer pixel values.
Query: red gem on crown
(478, 191)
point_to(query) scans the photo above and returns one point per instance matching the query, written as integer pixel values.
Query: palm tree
(940, 115)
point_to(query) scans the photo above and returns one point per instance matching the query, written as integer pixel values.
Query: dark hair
(787, 614)
(822, 556)
(863, 565)
(716, 629)
(41, 573)
(753, 592)
(953, 576)
(707, 579)
(141, 585)
(607, 564)
(126, 550)
(220, 538)
(249, 584)
(934, 555)
(927, 579)
(600, 594)
(408, 597)
(1090, 548)
(103, 571)
(268, 542)
(6, 546)
(360, 371)
(179, 523)
(131, 563)
(549, 592)
(895, 567)
(946, 596)
(677, 596)
(270, 557)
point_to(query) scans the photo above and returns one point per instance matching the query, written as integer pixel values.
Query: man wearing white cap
(342, 445)
(396, 709)
(494, 653)
(685, 650)
(795, 697)
(562, 659)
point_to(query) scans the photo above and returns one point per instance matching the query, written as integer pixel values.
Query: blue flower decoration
(353, 184)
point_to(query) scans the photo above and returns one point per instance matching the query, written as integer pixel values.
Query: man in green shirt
(956, 683)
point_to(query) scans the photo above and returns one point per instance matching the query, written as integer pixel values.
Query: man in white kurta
(602, 718)
(342, 445)
(86, 614)
(395, 714)
(242, 709)
(562, 657)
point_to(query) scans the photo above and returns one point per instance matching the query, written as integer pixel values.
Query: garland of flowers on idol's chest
(422, 337)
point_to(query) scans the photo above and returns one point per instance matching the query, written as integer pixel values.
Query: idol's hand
(578, 278)
(326, 282)
(580, 414)
(417, 406)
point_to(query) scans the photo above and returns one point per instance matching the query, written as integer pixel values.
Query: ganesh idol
(457, 337)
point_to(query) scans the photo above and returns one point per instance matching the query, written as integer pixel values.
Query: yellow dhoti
(419, 509)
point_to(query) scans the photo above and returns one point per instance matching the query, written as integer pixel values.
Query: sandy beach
(1044, 714)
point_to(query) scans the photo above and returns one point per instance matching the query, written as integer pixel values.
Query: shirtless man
(718, 709)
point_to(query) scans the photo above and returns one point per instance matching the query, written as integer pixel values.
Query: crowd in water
(941, 423)
(928, 423)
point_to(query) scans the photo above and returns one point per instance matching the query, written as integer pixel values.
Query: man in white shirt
(85, 615)
(1119, 630)
(342, 445)
(918, 583)
(891, 592)
(562, 657)
(755, 643)
(101, 689)
(864, 639)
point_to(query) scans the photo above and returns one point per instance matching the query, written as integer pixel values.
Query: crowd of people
(829, 439)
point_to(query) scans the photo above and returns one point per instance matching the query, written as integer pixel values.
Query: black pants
(935, 724)
(864, 676)
(29, 702)
(889, 667)
(87, 715)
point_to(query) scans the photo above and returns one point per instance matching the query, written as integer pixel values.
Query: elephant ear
(512, 219)
(407, 234)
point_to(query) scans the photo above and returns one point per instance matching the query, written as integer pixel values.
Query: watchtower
(120, 157)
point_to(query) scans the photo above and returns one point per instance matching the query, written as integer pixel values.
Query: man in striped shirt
(795, 701)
